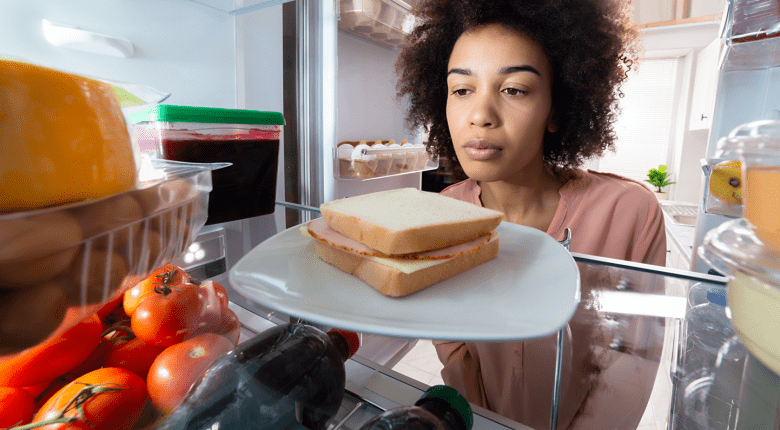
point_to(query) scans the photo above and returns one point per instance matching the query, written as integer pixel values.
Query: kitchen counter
(680, 233)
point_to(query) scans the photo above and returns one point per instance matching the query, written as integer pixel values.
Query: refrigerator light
(87, 41)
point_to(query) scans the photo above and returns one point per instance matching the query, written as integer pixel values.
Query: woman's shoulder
(605, 185)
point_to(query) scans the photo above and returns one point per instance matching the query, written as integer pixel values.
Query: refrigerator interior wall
(172, 52)
(368, 108)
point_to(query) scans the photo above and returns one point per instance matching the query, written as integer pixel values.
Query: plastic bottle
(440, 408)
(708, 326)
(287, 377)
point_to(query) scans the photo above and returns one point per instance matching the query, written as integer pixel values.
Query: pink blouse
(609, 216)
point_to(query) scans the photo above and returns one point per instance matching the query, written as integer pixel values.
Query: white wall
(368, 108)
(181, 47)
(690, 145)
(259, 86)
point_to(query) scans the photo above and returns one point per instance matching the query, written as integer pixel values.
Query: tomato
(43, 391)
(17, 406)
(230, 326)
(166, 318)
(54, 357)
(179, 366)
(113, 399)
(219, 292)
(135, 356)
(169, 275)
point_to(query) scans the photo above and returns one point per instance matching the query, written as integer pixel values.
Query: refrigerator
(748, 89)
(307, 59)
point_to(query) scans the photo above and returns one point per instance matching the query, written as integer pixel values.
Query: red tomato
(135, 356)
(179, 366)
(230, 327)
(43, 391)
(219, 291)
(168, 276)
(17, 406)
(169, 318)
(54, 357)
(116, 400)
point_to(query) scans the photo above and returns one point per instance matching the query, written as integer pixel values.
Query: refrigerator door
(748, 87)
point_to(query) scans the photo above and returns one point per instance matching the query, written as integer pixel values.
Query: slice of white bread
(396, 277)
(408, 220)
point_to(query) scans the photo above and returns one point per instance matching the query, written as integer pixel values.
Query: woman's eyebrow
(515, 69)
(504, 71)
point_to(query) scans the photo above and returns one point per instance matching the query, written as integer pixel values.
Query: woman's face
(499, 102)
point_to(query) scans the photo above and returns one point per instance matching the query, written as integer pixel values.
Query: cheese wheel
(64, 139)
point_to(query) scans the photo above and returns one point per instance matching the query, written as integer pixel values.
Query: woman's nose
(483, 112)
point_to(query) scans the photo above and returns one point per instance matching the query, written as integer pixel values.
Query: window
(646, 124)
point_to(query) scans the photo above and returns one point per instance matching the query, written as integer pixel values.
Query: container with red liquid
(248, 139)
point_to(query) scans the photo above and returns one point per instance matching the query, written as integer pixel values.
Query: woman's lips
(481, 150)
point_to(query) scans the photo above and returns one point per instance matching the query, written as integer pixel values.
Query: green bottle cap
(451, 396)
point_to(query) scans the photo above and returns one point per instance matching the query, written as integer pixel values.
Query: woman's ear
(552, 121)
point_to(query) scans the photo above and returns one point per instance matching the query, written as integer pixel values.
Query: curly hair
(591, 45)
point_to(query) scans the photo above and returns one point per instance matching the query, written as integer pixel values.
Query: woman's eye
(460, 92)
(514, 91)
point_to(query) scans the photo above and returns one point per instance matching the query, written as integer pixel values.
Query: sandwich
(401, 241)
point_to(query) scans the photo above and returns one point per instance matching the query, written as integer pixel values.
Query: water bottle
(708, 326)
(287, 377)
(440, 408)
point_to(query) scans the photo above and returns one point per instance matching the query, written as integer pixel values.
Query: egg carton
(383, 21)
(361, 161)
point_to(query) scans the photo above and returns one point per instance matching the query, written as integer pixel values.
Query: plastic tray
(84, 254)
(383, 162)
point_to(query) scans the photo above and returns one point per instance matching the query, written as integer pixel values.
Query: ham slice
(320, 231)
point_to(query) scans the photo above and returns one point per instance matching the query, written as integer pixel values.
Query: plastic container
(62, 263)
(707, 328)
(287, 377)
(757, 144)
(736, 249)
(247, 139)
(440, 408)
(383, 21)
(723, 187)
(364, 160)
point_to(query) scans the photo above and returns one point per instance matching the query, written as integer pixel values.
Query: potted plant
(659, 178)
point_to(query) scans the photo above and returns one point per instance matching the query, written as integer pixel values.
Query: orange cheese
(62, 139)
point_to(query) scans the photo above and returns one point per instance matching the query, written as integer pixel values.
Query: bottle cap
(717, 297)
(453, 398)
(351, 338)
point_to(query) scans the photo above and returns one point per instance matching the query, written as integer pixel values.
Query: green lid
(173, 113)
(451, 396)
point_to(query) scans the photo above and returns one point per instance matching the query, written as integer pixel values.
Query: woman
(515, 96)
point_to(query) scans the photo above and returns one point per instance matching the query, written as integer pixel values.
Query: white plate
(530, 290)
